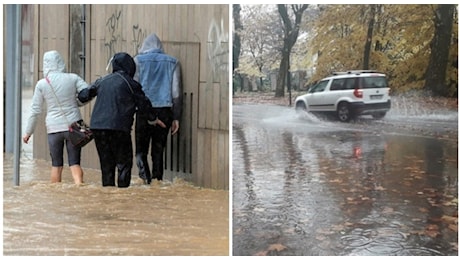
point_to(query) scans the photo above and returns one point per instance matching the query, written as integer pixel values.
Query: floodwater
(308, 186)
(165, 218)
(168, 218)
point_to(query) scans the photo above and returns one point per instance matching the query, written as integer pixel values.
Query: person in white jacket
(58, 89)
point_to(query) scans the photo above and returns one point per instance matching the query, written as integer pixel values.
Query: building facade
(198, 35)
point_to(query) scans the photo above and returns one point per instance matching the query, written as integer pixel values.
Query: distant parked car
(348, 94)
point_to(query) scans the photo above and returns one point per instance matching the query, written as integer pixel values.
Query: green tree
(442, 39)
(291, 32)
(399, 44)
(395, 39)
(260, 40)
(238, 26)
(338, 39)
(370, 31)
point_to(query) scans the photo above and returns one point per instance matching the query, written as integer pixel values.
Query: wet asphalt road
(309, 186)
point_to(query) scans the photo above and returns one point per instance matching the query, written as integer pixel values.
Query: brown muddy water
(165, 218)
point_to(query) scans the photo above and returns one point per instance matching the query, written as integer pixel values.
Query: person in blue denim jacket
(160, 77)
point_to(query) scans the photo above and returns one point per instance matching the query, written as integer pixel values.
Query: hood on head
(152, 42)
(124, 62)
(53, 61)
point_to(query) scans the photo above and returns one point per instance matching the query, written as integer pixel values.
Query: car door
(316, 95)
(336, 91)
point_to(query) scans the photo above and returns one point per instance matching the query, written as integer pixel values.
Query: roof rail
(353, 72)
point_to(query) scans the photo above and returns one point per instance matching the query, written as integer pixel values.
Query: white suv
(348, 95)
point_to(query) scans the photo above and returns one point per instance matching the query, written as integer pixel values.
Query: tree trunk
(281, 80)
(435, 75)
(290, 37)
(370, 30)
(261, 84)
(236, 36)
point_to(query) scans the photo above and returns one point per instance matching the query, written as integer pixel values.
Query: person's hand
(157, 122)
(174, 127)
(26, 138)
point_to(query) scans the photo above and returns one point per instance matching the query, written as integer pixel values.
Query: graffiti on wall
(113, 35)
(138, 37)
(218, 49)
(114, 39)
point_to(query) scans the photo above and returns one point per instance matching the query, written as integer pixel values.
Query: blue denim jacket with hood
(160, 75)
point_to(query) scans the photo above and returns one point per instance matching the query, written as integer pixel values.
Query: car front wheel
(300, 107)
(343, 112)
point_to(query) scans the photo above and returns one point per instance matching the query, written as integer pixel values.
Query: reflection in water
(167, 218)
(342, 193)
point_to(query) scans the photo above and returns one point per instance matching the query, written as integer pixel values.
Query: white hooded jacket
(61, 104)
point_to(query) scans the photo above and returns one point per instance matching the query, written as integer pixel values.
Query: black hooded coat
(117, 101)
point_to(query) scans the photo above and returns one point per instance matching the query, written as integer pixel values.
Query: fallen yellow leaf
(379, 188)
(431, 233)
(453, 227)
(449, 219)
(276, 247)
(261, 253)
(387, 210)
(423, 210)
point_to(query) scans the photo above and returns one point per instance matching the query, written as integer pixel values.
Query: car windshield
(374, 82)
(319, 87)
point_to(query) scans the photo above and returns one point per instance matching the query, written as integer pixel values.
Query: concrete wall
(89, 35)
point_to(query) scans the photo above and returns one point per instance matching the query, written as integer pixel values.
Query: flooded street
(167, 218)
(308, 186)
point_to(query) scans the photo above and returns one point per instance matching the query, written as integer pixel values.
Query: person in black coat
(119, 97)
